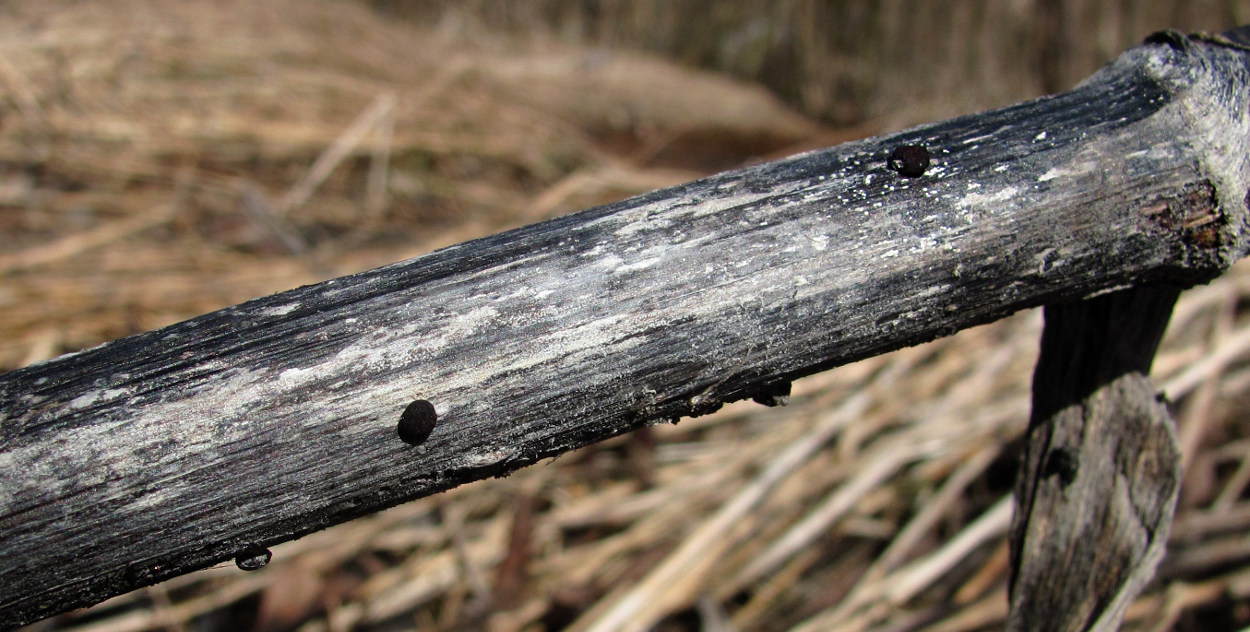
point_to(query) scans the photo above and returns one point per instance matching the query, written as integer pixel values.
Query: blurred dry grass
(898, 62)
(159, 160)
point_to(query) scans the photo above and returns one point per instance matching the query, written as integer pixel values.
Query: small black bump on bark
(417, 422)
(910, 161)
(1064, 463)
(253, 558)
(777, 394)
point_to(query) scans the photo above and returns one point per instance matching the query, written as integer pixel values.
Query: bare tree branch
(176, 449)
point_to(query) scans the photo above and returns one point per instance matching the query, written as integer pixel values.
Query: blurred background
(159, 160)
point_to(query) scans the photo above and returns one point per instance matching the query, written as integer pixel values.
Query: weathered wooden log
(176, 449)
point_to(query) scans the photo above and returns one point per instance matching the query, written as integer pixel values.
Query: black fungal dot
(253, 558)
(1064, 463)
(910, 161)
(777, 394)
(417, 422)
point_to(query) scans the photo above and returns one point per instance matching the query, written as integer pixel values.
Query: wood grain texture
(176, 449)
(1101, 472)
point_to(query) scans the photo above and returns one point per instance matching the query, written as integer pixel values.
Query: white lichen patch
(488, 457)
(986, 201)
(290, 377)
(1074, 170)
(86, 399)
(280, 310)
(637, 265)
(649, 222)
(610, 262)
(934, 290)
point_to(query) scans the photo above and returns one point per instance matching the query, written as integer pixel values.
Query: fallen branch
(173, 450)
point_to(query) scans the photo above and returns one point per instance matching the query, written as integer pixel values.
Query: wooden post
(1102, 466)
(176, 449)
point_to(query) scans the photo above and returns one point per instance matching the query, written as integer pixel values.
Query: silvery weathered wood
(179, 448)
(1102, 466)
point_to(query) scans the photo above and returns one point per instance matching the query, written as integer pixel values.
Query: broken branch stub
(1101, 471)
(177, 449)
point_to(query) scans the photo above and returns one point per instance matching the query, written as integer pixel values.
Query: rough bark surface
(176, 449)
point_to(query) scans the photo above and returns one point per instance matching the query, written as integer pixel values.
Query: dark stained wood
(176, 449)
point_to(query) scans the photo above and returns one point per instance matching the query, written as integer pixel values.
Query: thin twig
(342, 147)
